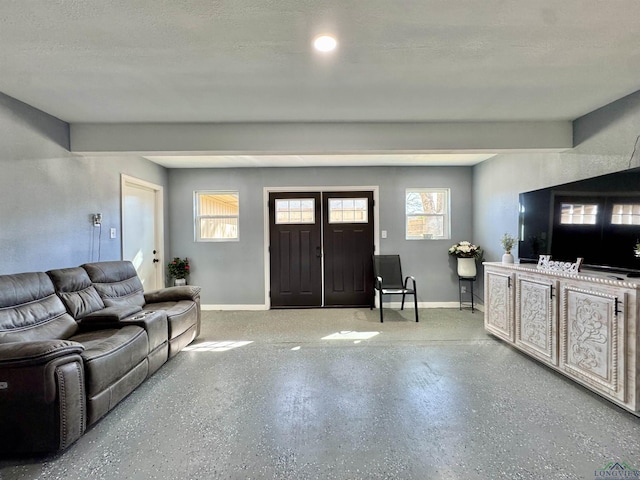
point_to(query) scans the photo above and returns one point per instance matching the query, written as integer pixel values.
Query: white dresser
(584, 325)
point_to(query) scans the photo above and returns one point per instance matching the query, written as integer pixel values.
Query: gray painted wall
(47, 194)
(233, 273)
(604, 141)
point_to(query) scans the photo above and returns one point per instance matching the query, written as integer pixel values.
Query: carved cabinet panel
(592, 337)
(584, 325)
(499, 318)
(537, 317)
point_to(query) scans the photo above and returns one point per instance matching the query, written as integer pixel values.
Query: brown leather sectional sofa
(75, 341)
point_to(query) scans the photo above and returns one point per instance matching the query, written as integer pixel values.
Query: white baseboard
(407, 305)
(235, 307)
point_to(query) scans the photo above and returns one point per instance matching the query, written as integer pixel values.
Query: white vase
(467, 267)
(507, 258)
(180, 282)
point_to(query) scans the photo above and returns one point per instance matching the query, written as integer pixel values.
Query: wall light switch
(112, 233)
(384, 233)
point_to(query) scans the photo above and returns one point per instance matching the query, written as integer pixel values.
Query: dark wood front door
(310, 229)
(348, 248)
(295, 249)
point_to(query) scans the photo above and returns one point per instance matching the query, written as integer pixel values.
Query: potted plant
(179, 270)
(466, 253)
(507, 241)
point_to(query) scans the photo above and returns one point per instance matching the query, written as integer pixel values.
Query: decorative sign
(545, 263)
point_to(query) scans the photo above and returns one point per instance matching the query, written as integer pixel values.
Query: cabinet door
(537, 317)
(592, 344)
(498, 316)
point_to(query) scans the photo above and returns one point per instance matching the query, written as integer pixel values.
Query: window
(427, 213)
(295, 210)
(578, 214)
(217, 216)
(348, 210)
(625, 214)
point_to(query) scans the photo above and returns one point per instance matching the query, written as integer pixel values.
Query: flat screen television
(597, 219)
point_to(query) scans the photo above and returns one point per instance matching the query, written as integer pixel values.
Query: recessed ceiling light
(325, 43)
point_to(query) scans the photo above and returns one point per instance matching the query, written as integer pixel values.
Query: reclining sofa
(75, 341)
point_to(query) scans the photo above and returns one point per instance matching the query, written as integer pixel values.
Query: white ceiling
(156, 61)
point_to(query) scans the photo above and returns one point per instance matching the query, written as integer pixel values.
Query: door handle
(318, 252)
(155, 260)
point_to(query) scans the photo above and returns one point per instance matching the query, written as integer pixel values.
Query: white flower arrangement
(465, 249)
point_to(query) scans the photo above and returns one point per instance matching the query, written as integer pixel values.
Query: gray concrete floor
(435, 400)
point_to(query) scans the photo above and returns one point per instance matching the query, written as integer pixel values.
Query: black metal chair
(388, 280)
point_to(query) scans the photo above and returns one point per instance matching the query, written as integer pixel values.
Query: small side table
(471, 281)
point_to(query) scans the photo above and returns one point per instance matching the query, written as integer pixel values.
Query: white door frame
(268, 190)
(158, 221)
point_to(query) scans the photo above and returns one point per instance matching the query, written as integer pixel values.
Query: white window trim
(197, 217)
(446, 216)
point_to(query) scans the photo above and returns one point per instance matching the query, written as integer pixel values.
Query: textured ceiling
(251, 61)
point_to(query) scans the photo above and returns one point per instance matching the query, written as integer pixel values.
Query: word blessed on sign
(545, 263)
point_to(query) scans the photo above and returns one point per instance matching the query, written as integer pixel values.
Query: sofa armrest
(23, 354)
(42, 396)
(173, 294)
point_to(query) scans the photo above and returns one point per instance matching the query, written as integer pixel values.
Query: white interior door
(142, 230)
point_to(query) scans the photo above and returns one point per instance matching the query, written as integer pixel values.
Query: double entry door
(321, 246)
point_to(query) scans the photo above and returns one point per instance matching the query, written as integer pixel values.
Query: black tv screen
(597, 219)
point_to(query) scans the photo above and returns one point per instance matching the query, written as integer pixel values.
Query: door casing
(158, 225)
(265, 201)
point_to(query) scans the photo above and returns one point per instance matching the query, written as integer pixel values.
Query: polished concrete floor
(435, 400)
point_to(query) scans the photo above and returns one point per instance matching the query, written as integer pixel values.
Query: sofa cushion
(117, 282)
(110, 354)
(30, 309)
(76, 291)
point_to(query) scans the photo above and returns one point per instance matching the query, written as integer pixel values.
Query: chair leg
(381, 317)
(415, 304)
(402, 305)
